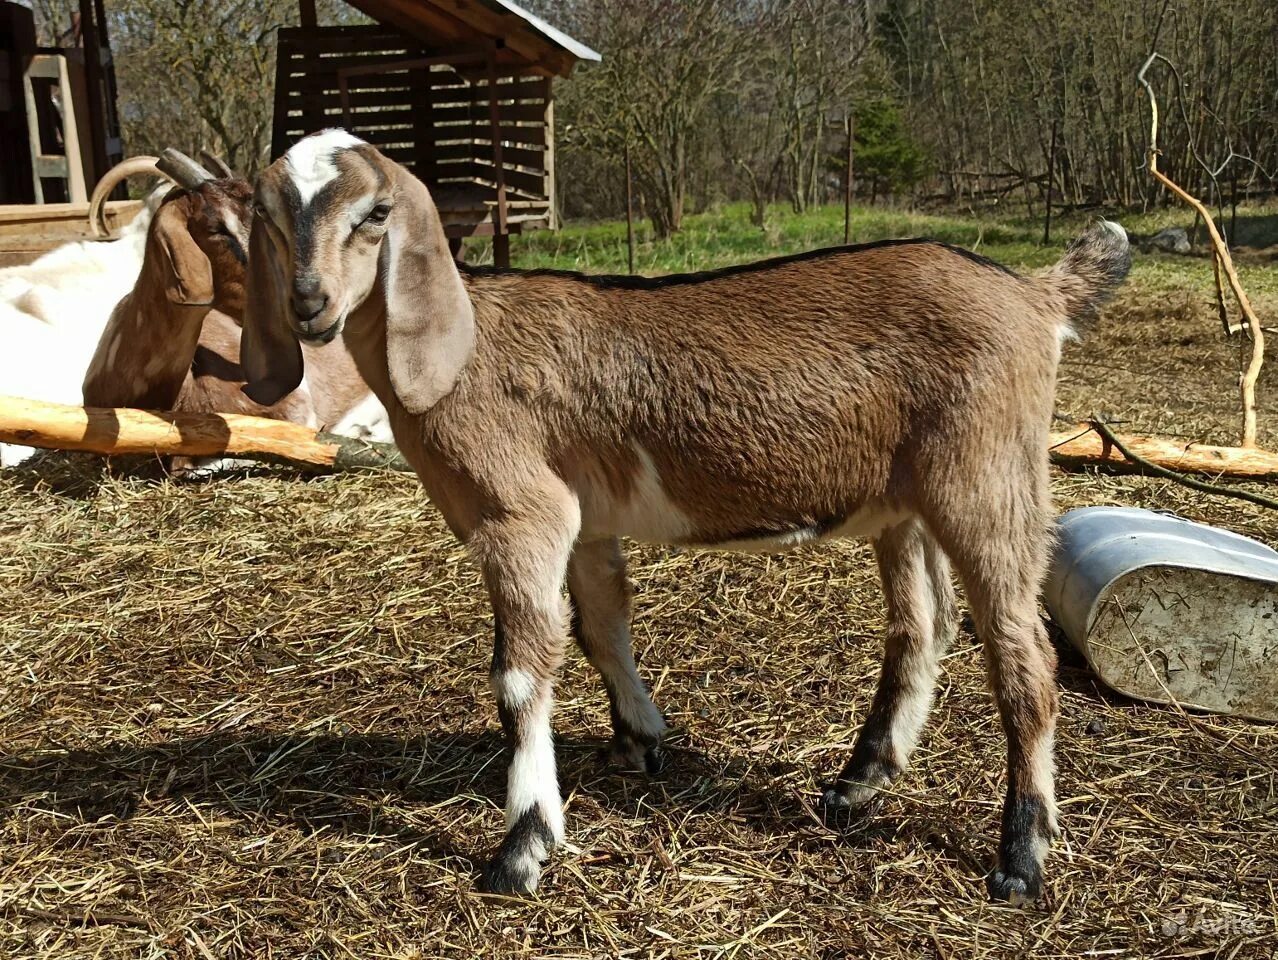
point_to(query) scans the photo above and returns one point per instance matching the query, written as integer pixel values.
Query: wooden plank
(361, 102)
(519, 157)
(512, 31)
(389, 60)
(509, 133)
(527, 183)
(418, 19)
(523, 89)
(327, 83)
(513, 156)
(548, 162)
(516, 112)
(368, 119)
(49, 224)
(501, 243)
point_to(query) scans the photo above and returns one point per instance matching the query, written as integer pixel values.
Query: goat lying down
(52, 310)
(899, 390)
(173, 341)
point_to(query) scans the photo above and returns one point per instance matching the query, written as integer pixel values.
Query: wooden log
(1083, 446)
(121, 431)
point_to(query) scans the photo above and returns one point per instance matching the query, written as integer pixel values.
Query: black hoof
(635, 757)
(846, 804)
(1014, 889)
(512, 876)
(655, 760)
(832, 801)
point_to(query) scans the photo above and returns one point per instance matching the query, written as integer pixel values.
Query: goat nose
(308, 301)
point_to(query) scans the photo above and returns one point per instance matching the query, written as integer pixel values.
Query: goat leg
(922, 620)
(525, 563)
(601, 596)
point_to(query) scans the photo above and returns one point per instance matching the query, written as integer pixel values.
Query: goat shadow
(334, 783)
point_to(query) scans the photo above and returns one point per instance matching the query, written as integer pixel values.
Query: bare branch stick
(1247, 381)
(1100, 427)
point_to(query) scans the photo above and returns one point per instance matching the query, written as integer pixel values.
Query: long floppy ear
(430, 326)
(188, 273)
(269, 352)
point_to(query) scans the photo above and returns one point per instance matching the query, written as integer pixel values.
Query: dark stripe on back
(627, 282)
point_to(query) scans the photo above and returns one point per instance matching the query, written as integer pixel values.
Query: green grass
(724, 235)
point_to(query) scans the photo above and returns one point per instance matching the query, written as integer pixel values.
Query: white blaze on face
(310, 161)
(234, 226)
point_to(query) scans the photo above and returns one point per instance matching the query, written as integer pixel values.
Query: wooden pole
(630, 213)
(501, 228)
(847, 184)
(95, 93)
(122, 431)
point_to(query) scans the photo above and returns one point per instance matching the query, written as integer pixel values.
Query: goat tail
(1094, 266)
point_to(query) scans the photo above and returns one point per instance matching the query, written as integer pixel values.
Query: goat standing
(901, 390)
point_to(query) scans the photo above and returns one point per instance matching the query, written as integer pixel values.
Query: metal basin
(1169, 610)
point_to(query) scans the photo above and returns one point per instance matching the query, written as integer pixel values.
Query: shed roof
(524, 37)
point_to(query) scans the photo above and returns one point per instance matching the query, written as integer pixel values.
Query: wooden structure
(459, 91)
(57, 108)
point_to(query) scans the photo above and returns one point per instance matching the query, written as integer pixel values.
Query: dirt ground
(250, 718)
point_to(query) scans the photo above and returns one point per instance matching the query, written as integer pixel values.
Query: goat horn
(117, 174)
(182, 170)
(217, 165)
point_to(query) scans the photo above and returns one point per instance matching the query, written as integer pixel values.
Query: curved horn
(182, 170)
(117, 174)
(217, 165)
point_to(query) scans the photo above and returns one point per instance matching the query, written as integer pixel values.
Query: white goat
(53, 310)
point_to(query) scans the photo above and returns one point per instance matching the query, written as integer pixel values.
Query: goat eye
(378, 214)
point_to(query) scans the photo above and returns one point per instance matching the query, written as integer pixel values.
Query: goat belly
(869, 520)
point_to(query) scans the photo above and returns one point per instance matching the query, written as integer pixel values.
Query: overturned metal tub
(1169, 610)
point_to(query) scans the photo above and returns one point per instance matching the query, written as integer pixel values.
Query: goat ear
(189, 280)
(269, 353)
(430, 326)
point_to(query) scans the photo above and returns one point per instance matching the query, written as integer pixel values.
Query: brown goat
(900, 390)
(174, 341)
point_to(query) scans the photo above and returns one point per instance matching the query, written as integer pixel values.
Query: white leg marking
(918, 669)
(531, 780)
(514, 688)
(1043, 771)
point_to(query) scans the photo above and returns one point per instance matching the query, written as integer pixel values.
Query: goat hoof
(847, 803)
(636, 757)
(1014, 889)
(514, 876)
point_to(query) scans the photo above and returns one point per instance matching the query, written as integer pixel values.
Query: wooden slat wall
(431, 119)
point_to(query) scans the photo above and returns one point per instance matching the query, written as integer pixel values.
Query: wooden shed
(459, 91)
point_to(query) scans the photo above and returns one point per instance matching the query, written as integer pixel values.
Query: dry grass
(251, 719)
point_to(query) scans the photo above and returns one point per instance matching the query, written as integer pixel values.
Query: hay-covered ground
(250, 718)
